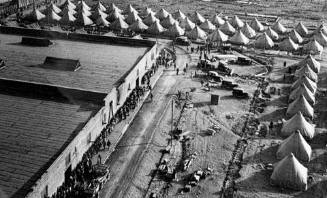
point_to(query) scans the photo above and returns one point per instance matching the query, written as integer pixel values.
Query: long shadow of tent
(260, 182)
(318, 190)
(267, 155)
(274, 116)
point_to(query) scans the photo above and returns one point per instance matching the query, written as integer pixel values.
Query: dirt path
(129, 153)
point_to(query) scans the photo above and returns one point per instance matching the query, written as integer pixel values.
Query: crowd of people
(82, 178)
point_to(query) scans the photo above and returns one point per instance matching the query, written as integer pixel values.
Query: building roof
(98, 72)
(35, 130)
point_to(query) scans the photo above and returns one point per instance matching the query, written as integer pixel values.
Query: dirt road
(125, 161)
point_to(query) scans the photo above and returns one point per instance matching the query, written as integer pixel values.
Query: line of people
(82, 177)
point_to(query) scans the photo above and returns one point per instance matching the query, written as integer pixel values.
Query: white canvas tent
(302, 90)
(297, 145)
(119, 24)
(83, 20)
(236, 22)
(132, 17)
(179, 15)
(217, 20)
(98, 13)
(248, 31)
(302, 105)
(320, 38)
(168, 21)
(272, 34)
(66, 8)
(263, 42)
(35, 15)
(290, 173)
(114, 15)
(313, 63)
(296, 37)
(313, 47)
(197, 34)
(239, 39)
(208, 26)
(100, 6)
(147, 11)
(279, 28)
(227, 28)
(130, 9)
(85, 12)
(67, 17)
(138, 26)
(298, 123)
(156, 28)
(83, 6)
(256, 25)
(102, 21)
(217, 36)
(53, 7)
(322, 28)
(198, 18)
(51, 17)
(162, 14)
(175, 30)
(311, 85)
(187, 24)
(114, 8)
(70, 5)
(288, 45)
(150, 19)
(306, 70)
(301, 29)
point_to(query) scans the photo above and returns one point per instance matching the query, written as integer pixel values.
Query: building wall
(55, 175)
(119, 93)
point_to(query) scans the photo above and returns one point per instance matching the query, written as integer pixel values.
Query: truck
(240, 93)
(229, 85)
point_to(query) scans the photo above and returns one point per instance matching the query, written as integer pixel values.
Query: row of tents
(268, 39)
(289, 172)
(177, 24)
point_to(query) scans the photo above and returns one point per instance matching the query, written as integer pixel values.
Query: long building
(55, 101)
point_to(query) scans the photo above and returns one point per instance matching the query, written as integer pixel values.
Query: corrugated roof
(33, 133)
(101, 64)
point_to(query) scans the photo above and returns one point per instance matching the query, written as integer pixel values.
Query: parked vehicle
(183, 40)
(243, 61)
(224, 69)
(206, 64)
(228, 85)
(240, 93)
(214, 76)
